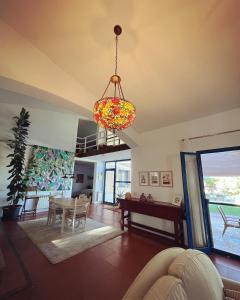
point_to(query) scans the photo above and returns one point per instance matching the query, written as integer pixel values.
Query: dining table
(65, 204)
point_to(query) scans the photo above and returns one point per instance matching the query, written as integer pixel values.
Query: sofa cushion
(198, 274)
(166, 288)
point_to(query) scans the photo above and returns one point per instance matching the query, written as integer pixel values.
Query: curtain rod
(208, 135)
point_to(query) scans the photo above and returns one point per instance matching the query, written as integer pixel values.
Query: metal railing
(96, 140)
(224, 203)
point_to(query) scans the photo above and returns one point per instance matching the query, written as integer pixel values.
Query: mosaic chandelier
(114, 113)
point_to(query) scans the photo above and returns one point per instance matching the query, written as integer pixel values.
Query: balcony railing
(97, 140)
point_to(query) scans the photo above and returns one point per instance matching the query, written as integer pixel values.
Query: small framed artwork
(143, 178)
(166, 179)
(177, 200)
(80, 178)
(154, 178)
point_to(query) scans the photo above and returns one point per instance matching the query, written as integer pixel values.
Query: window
(110, 165)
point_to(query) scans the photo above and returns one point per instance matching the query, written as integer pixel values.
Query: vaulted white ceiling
(179, 60)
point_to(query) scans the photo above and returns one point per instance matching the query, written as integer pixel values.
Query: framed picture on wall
(80, 178)
(166, 179)
(143, 178)
(154, 178)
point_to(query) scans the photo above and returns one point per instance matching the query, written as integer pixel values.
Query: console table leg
(176, 232)
(181, 234)
(129, 220)
(122, 216)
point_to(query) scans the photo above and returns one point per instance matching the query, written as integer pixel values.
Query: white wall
(24, 63)
(160, 150)
(48, 128)
(4, 161)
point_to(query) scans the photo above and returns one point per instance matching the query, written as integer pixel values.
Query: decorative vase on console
(143, 198)
(150, 198)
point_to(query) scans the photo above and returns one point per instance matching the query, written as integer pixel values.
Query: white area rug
(58, 247)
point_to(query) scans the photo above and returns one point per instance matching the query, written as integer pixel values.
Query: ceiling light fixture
(114, 113)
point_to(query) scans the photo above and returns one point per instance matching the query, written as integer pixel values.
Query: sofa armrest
(231, 284)
(154, 269)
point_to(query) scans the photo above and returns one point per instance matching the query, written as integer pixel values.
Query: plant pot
(11, 212)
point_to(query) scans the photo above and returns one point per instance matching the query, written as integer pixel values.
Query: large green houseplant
(18, 145)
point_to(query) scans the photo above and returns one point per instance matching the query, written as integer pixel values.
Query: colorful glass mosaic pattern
(114, 113)
(46, 168)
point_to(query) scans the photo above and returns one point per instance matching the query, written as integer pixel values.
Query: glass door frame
(114, 185)
(207, 249)
(217, 150)
(115, 179)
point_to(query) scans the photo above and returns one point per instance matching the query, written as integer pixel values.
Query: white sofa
(179, 274)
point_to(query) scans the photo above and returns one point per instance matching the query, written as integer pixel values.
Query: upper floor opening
(92, 140)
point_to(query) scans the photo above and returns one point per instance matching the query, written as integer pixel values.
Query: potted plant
(17, 186)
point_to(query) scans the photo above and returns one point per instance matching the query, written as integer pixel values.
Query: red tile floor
(103, 272)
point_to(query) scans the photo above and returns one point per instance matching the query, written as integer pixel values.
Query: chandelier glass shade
(114, 113)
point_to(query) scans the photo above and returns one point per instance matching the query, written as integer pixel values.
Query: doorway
(83, 178)
(117, 180)
(211, 184)
(221, 179)
(109, 187)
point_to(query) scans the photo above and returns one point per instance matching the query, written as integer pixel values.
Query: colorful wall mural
(46, 168)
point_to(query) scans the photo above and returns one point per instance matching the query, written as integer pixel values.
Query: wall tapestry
(46, 168)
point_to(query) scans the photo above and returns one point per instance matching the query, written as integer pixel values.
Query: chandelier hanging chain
(115, 89)
(114, 113)
(116, 69)
(106, 89)
(116, 55)
(121, 91)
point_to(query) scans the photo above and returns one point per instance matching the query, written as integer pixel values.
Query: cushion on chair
(166, 288)
(198, 274)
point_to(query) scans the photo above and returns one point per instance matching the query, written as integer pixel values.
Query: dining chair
(228, 221)
(30, 203)
(53, 211)
(78, 215)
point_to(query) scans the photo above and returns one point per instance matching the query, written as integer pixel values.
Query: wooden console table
(156, 209)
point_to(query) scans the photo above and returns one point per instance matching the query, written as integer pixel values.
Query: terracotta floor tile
(102, 250)
(100, 273)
